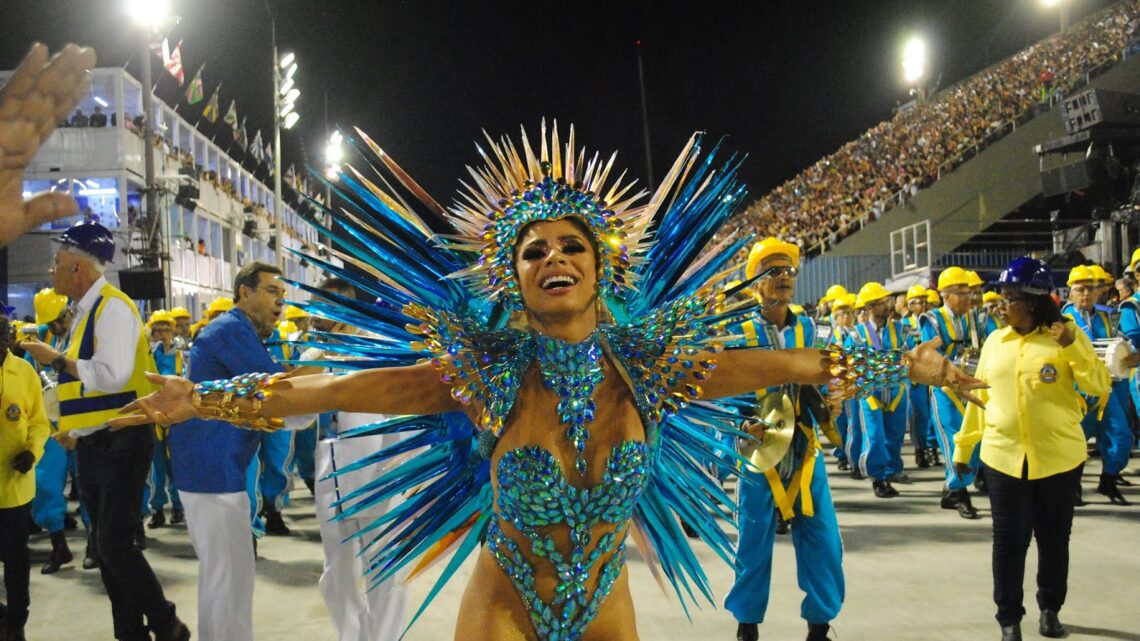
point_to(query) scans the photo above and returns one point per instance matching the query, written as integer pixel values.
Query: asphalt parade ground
(914, 571)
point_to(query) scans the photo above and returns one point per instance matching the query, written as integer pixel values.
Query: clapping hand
(38, 95)
(928, 367)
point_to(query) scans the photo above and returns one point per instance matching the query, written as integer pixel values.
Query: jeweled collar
(573, 371)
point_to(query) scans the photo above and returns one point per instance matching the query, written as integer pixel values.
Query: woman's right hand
(172, 403)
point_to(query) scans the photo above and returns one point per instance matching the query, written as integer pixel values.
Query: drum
(967, 360)
(51, 394)
(1114, 352)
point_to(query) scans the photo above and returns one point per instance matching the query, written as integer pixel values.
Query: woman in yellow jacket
(24, 428)
(1033, 447)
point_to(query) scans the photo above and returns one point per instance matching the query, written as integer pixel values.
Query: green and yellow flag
(194, 92)
(211, 110)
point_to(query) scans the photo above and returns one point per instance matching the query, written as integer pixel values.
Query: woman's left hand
(929, 367)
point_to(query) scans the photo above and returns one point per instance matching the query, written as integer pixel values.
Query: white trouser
(359, 614)
(219, 530)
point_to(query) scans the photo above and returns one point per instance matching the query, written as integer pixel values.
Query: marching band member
(842, 325)
(991, 303)
(797, 487)
(921, 431)
(168, 359)
(951, 323)
(884, 417)
(1106, 418)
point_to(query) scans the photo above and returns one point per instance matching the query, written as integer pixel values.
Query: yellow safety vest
(79, 408)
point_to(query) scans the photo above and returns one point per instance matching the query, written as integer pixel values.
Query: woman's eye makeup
(573, 248)
(534, 252)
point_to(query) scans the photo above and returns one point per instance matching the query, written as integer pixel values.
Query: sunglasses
(776, 272)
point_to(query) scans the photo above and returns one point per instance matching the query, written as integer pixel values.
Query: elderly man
(102, 369)
(800, 481)
(211, 458)
(26, 430)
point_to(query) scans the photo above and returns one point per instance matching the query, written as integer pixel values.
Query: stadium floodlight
(334, 152)
(914, 60)
(1062, 8)
(148, 13)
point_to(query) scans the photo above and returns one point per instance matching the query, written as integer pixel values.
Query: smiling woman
(581, 428)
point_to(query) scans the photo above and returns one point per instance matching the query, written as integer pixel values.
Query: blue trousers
(269, 478)
(50, 505)
(162, 478)
(841, 426)
(819, 552)
(921, 427)
(947, 422)
(1113, 432)
(883, 431)
(853, 436)
(304, 451)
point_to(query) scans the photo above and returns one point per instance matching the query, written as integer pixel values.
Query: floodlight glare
(285, 86)
(1051, 3)
(148, 13)
(914, 60)
(286, 60)
(291, 119)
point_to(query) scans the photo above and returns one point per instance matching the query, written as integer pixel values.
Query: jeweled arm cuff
(858, 371)
(219, 400)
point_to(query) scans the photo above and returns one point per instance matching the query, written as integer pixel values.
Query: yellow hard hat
(847, 301)
(161, 316)
(870, 293)
(770, 246)
(953, 276)
(180, 312)
(973, 280)
(1079, 273)
(795, 309)
(1101, 274)
(916, 291)
(1135, 258)
(991, 297)
(287, 327)
(219, 306)
(932, 297)
(293, 313)
(833, 293)
(49, 305)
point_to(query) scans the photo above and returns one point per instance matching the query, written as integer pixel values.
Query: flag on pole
(194, 93)
(211, 110)
(255, 148)
(173, 63)
(231, 117)
(242, 138)
(160, 47)
(268, 153)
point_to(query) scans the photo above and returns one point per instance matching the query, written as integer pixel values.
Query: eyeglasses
(1013, 300)
(1083, 289)
(776, 272)
(276, 292)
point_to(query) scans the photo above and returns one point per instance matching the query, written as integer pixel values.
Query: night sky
(786, 82)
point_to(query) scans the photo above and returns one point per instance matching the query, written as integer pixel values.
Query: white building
(102, 166)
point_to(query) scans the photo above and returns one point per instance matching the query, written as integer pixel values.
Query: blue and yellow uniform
(269, 477)
(798, 488)
(957, 334)
(49, 507)
(161, 487)
(922, 426)
(884, 416)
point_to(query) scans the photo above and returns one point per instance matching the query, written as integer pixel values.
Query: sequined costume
(450, 296)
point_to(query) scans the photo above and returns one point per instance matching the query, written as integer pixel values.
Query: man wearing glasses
(799, 480)
(211, 458)
(1106, 417)
(952, 323)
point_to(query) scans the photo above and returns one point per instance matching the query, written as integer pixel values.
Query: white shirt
(116, 334)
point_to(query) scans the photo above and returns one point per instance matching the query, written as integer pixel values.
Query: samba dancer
(564, 398)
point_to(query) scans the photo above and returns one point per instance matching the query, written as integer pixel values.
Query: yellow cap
(973, 280)
(1101, 274)
(293, 313)
(847, 301)
(953, 276)
(870, 293)
(180, 312)
(1135, 258)
(1080, 273)
(49, 305)
(991, 297)
(770, 246)
(286, 327)
(160, 316)
(219, 306)
(932, 297)
(916, 291)
(833, 293)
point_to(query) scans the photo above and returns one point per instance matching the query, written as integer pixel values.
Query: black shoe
(89, 562)
(782, 526)
(274, 524)
(857, 474)
(965, 507)
(140, 537)
(178, 516)
(1108, 488)
(935, 456)
(1078, 498)
(1120, 480)
(949, 500)
(158, 519)
(818, 631)
(883, 490)
(901, 477)
(843, 465)
(69, 523)
(11, 633)
(747, 632)
(1051, 626)
(922, 458)
(60, 554)
(1011, 632)
(173, 630)
(309, 483)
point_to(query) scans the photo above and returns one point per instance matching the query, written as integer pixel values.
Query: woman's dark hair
(1044, 310)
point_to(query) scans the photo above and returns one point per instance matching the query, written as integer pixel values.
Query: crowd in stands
(896, 158)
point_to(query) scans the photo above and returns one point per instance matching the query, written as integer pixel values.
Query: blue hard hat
(1029, 275)
(90, 237)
